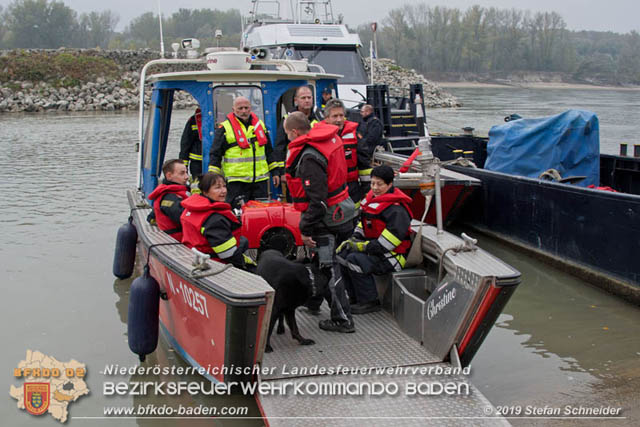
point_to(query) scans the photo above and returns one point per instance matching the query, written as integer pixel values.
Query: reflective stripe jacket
(191, 143)
(385, 221)
(251, 164)
(165, 223)
(211, 227)
(325, 140)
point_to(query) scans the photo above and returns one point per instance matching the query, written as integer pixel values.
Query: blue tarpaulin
(568, 142)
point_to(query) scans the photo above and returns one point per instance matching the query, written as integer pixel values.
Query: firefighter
(358, 163)
(380, 241)
(167, 197)
(191, 145)
(303, 101)
(242, 151)
(326, 97)
(210, 226)
(370, 129)
(316, 173)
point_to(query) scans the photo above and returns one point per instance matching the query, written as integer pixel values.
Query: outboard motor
(125, 254)
(142, 322)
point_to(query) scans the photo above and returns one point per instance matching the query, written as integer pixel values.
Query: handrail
(143, 77)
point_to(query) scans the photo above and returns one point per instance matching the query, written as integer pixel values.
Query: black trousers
(336, 295)
(238, 191)
(195, 167)
(358, 275)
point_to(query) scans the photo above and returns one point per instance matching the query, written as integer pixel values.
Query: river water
(558, 342)
(618, 111)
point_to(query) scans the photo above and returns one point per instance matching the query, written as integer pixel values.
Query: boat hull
(214, 319)
(595, 233)
(207, 331)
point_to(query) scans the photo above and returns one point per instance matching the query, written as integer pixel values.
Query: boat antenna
(161, 36)
(242, 39)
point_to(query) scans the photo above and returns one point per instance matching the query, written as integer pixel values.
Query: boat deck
(377, 343)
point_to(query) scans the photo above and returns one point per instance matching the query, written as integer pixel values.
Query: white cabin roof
(233, 76)
(300, 34)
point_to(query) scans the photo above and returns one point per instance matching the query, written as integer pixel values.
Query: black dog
(294, 284)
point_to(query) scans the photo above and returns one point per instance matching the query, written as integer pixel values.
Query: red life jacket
(198, 116)
(241, 138)
(197, 209)
(164, 222)
(350, 143)
(324, 138)
(372, 222)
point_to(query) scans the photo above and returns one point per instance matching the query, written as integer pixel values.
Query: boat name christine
(434, 307)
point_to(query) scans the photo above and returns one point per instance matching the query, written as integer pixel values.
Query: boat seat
(384, 281)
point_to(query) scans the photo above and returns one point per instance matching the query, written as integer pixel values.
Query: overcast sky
(619, 16)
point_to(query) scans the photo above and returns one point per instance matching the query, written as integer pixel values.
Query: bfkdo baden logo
(36, 398)
(50, 386)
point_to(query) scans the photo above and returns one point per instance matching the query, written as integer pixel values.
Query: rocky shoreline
(386, 71)
(121, 92)
(101, 94)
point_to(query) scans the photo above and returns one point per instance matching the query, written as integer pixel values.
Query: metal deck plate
(399, 409)
(377, 342)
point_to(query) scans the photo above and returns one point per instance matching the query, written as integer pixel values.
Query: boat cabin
(270, 91)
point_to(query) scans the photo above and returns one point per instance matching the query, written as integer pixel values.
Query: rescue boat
(436, 315)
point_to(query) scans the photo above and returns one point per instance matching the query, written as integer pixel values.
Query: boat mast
(161, 36)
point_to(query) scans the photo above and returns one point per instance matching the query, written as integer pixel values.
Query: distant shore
(534, 85)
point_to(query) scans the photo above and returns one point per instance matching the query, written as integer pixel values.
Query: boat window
(286, 103)
(335, 61)
(223, 97)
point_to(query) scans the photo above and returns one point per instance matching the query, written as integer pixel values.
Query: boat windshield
(335, 60)
(223, 97)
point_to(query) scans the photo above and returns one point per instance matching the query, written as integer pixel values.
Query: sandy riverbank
(534, 85)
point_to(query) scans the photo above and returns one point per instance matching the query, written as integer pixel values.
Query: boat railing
(303, 11)
(256, 15)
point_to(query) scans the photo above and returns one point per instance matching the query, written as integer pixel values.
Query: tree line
(428, 39)
(47, 24)
(489, 40)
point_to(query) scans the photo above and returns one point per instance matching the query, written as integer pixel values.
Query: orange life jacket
(241, 138)
(372, 222)
(350, 143)
(324, 138)
(197, 209)
(164, 222)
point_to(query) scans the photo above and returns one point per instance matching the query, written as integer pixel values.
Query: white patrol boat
(311, 34)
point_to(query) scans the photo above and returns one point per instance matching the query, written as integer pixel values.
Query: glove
(352, 245)
(346, 245)
(248, 260)
(359, 246)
